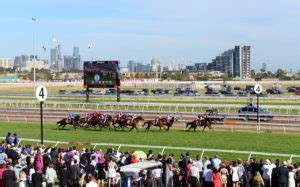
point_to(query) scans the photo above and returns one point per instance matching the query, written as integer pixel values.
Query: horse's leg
(204, 128)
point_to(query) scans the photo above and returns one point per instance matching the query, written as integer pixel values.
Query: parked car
(237, 88)
(62, 92)
(99, 92)
(250, 113)
(297, 92)
(160, 91)
(274, 91)
(292, 88)
(186, 92)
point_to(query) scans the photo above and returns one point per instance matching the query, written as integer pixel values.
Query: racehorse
(150, 123)
(126, 122)
(62, 123)
(93, 121)
(168, 123)
(107, 123)
(205, 123)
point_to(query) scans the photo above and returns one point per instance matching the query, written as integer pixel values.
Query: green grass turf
(266, 142)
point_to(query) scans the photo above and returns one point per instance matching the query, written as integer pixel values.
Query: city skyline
(141, 30)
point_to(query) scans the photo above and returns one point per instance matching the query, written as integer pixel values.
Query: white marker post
(258, 90)
(41, 95)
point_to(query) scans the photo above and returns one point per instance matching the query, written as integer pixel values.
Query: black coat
(37, 179)
(74, 172)
(9, 178)
(282, 175)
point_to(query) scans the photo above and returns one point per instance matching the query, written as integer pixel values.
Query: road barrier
(163, 148)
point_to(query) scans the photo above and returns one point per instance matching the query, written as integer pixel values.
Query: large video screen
(101, 74)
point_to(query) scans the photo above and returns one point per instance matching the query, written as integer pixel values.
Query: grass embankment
(267, 142)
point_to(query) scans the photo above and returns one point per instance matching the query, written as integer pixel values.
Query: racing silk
(169, 117)
(119, 115)
(156, 119)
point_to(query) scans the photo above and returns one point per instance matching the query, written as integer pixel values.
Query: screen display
(101, 74)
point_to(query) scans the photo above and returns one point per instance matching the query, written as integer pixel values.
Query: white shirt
(199, 164)
(156, 173)
(194, 172)
(92, 184)
(267, 171)
(50, 175)
(206, 163)
(216, 162)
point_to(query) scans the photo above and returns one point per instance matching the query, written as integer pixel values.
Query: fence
(163, 148)
(148, 106)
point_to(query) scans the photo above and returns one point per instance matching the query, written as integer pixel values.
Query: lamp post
(33, 45)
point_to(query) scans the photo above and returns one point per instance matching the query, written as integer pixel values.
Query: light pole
(33, 45)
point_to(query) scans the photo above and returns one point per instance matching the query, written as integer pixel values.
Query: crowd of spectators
(27, 165)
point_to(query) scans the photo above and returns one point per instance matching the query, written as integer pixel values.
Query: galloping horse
(93, 121)
(168, 123)
(194, 124)
(126, 122)
(107, 123)
(62, 123)
(150, 123)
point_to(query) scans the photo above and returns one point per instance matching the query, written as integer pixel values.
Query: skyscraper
(76, 59)
(68, 63)
(245, 62)
(56, 59)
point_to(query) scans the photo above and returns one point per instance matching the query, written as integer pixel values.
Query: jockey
(132, 118)
(157, 119)
(201, 120)
(119, 115)
(169, 117)
(71, 116)
(104, 117)
(88, 116)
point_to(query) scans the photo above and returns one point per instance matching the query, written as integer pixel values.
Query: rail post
(202, 154)
(249, 156)
(163, 150)
(94, 146)
(56, 144)
(119, 147)
(291, 157)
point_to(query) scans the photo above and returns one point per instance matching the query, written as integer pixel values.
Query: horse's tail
(188, 124)
(59, 122)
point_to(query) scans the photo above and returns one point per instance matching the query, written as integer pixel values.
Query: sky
(172, 31)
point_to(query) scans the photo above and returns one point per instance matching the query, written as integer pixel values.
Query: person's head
(15, 134)
(290, 168)
(8, 134)
(214, 170)
(216, 156)
(257, 174)
(169, 160)
(90, 177)
(234, 163)
(187, 154)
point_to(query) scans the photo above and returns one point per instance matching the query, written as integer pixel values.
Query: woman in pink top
(2, 166)
(38, 162)
(187, 170)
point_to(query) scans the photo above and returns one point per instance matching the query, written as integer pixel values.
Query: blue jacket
(8, 140)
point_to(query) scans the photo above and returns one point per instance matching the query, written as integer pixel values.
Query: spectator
(74, 172)
(194, 176)
(198, 163)
(101, 171)
(63, 176)
(188, 171)
(224, 175)
(156, 176)
(22, 179)
(9, 176)
(16, 140)
(3, 155)
(92, 181)
(50, 176)
(257, 180)
(38, 162)
(37, 179)
(216, 178)
(216, 162)
(1, 174)
(292, 182)
(208, 176)
(112, 173)
(8, 139)
(282, 175)
(297, 176)
(267, 169)
(235, 174)
(169, 173)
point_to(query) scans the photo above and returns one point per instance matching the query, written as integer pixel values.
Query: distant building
(77, 65)
(131, 66)
(233, 63)
(56, 59)
(201, 66)
(5, 63)
(264, 67)
(155, 65)
(38, 64)
(68, 63)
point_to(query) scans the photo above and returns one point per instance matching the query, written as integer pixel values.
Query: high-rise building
(233, 62)
(5, 63)
(245, 62)
(264, 67)
(131, 66)
(68, 63)
(56, 59)
(155, 65)
(18, 61)
(77, 65)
